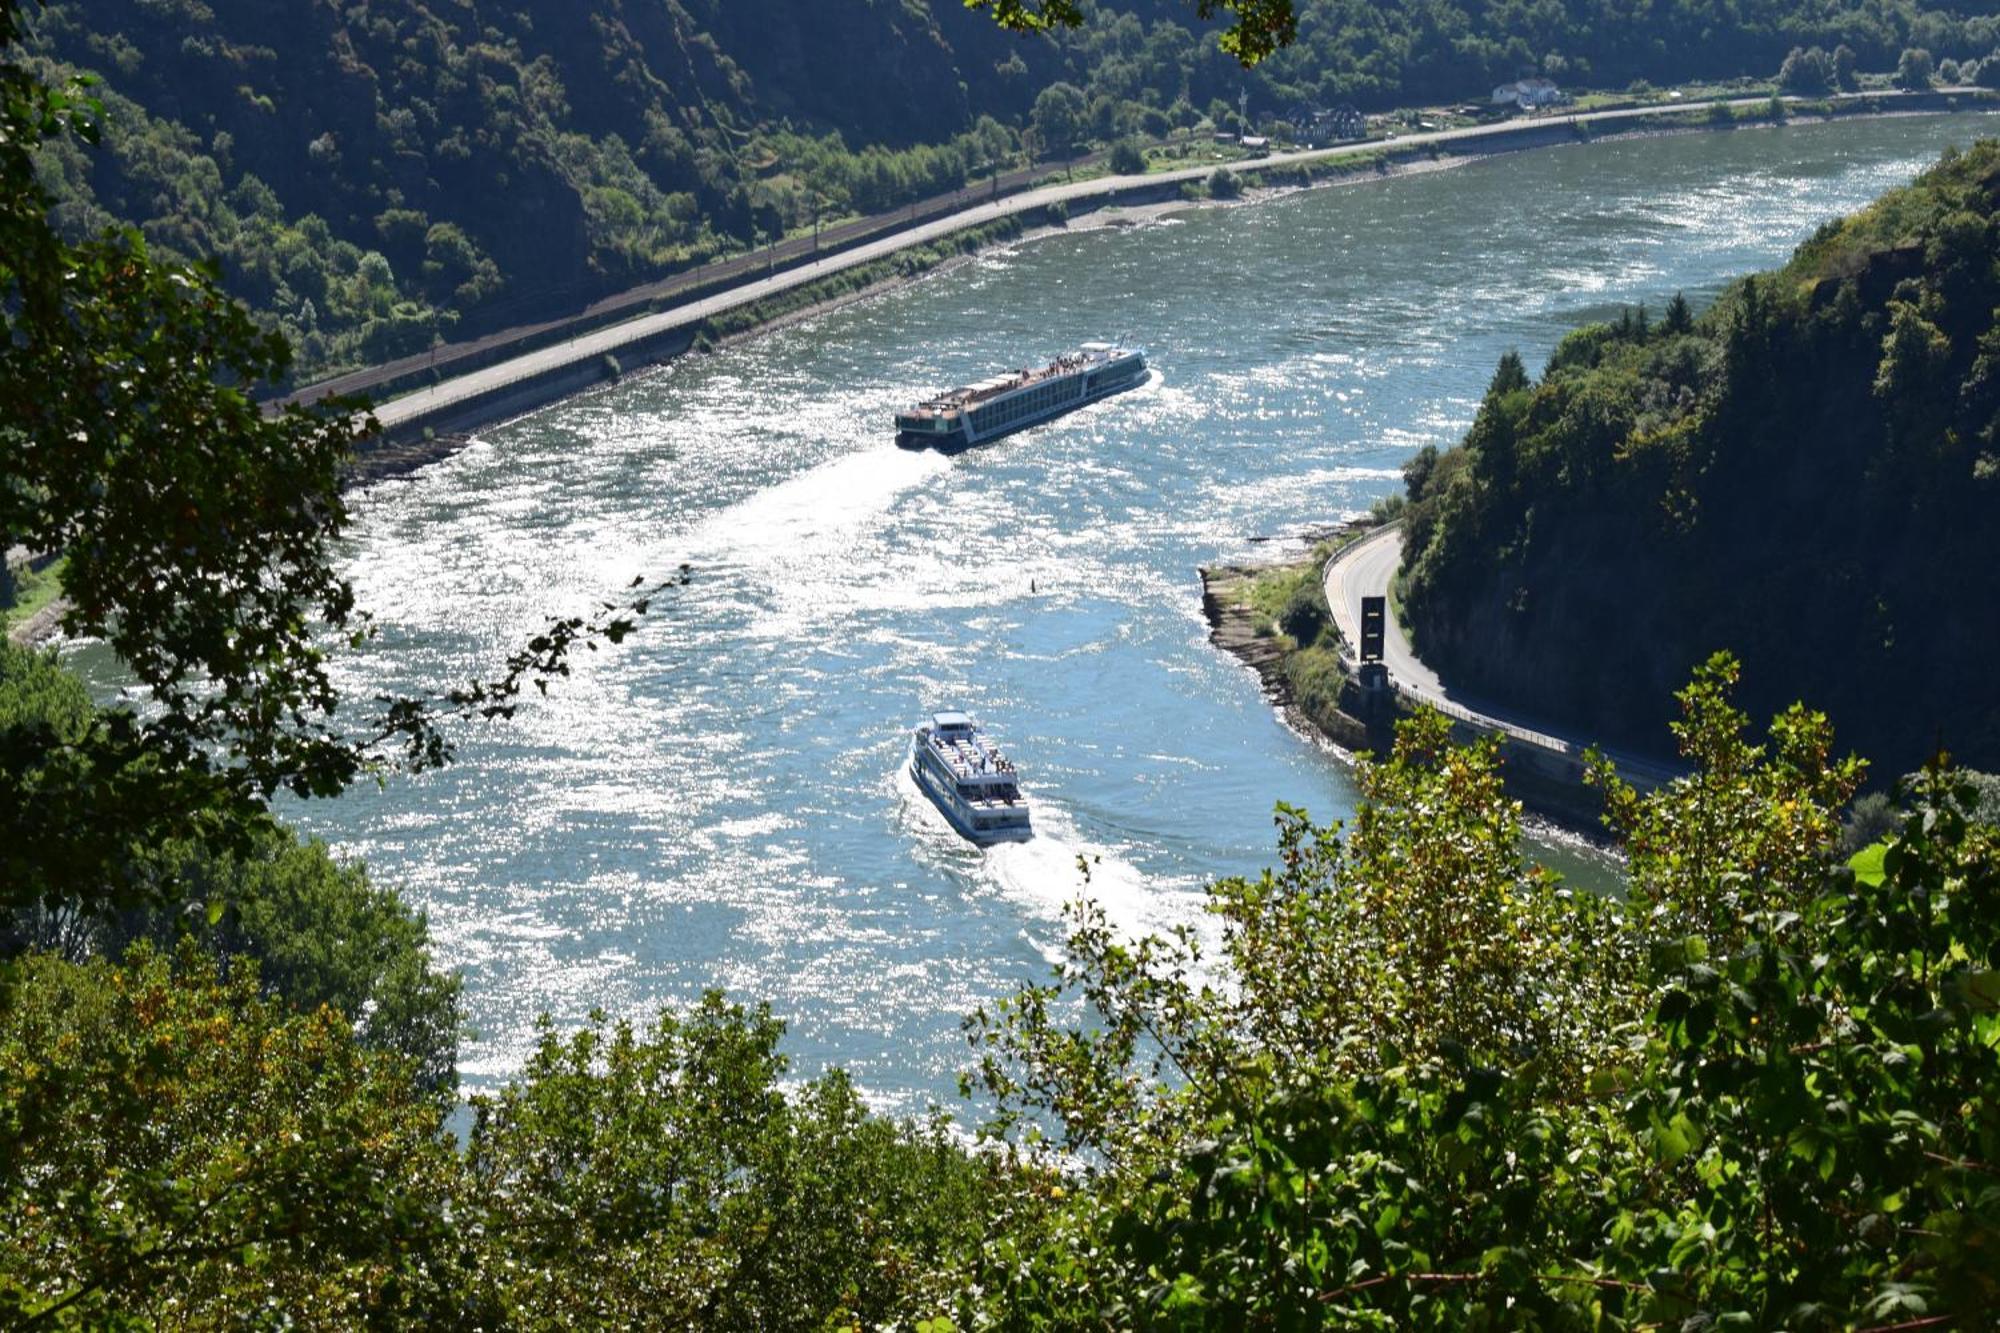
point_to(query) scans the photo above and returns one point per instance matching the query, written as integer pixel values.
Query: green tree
(1679, 319)
(1914, 70)
(169, 1141)
(199, 531)
(1749, 835)
(318, 933)
(662, 1178)
(1126, 159)
(1417, 932)
(1806, 71)
(1510, 376)
(1780, 1120)
(1059, 115)
(1305, 614)
(201, 536)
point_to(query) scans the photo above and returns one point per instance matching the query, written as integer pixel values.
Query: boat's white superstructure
(969, 779)
(974, 413)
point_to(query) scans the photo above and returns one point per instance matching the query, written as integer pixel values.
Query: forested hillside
(378, 174)
(1808, 475)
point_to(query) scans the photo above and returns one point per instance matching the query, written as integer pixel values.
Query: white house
(1527, 94)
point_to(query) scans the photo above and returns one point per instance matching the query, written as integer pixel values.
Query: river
(719, 801)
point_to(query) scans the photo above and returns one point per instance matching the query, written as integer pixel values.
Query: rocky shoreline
(1237, 629)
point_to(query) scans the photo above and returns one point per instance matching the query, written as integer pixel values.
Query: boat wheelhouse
(1002, 404)
(966, 776)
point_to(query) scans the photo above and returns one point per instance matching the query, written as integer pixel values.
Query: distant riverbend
(721, 800)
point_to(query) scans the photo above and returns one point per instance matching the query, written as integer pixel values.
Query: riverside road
(411, 409)
(1365, 569)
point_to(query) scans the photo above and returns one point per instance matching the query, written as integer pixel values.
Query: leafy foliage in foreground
(661, 1178)
(174, 1148)
(1808, 474)
(317, 931)
(1764, 1094)
(1420, 1086)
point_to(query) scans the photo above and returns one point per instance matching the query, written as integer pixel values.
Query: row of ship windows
(1026, 405)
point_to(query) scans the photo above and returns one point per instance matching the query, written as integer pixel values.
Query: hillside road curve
(1365, 569)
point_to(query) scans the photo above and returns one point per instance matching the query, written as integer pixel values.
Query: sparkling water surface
(720, 801)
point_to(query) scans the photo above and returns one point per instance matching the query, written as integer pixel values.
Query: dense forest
(1807, 474)
(376, 175)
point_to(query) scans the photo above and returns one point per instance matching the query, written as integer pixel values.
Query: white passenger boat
(969, 779)
(975, 413)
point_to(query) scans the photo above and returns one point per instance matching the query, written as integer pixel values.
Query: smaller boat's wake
(1047, 872)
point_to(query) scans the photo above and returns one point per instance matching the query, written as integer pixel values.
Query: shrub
(1914, 71)
(1306, 613)
(1807, 70)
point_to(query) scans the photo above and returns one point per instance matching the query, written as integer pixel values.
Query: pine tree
(1679, 318)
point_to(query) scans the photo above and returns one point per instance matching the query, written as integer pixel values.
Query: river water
(720, 801)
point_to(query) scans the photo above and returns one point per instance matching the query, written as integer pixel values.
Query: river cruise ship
(975, 413)
(966, 776)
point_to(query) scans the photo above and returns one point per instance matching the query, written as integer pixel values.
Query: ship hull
(961, 819)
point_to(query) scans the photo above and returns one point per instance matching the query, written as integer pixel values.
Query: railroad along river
(720, 800)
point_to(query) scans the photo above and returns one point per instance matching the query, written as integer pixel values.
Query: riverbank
(524, 384)
(1258, 613)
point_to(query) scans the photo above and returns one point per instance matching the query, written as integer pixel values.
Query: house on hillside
(1528, 94)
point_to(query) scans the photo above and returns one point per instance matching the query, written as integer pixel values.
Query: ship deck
(971, 395)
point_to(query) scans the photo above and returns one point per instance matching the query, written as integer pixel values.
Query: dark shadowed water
(720, 801)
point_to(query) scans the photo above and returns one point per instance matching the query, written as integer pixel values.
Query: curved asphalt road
(1364, 569)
